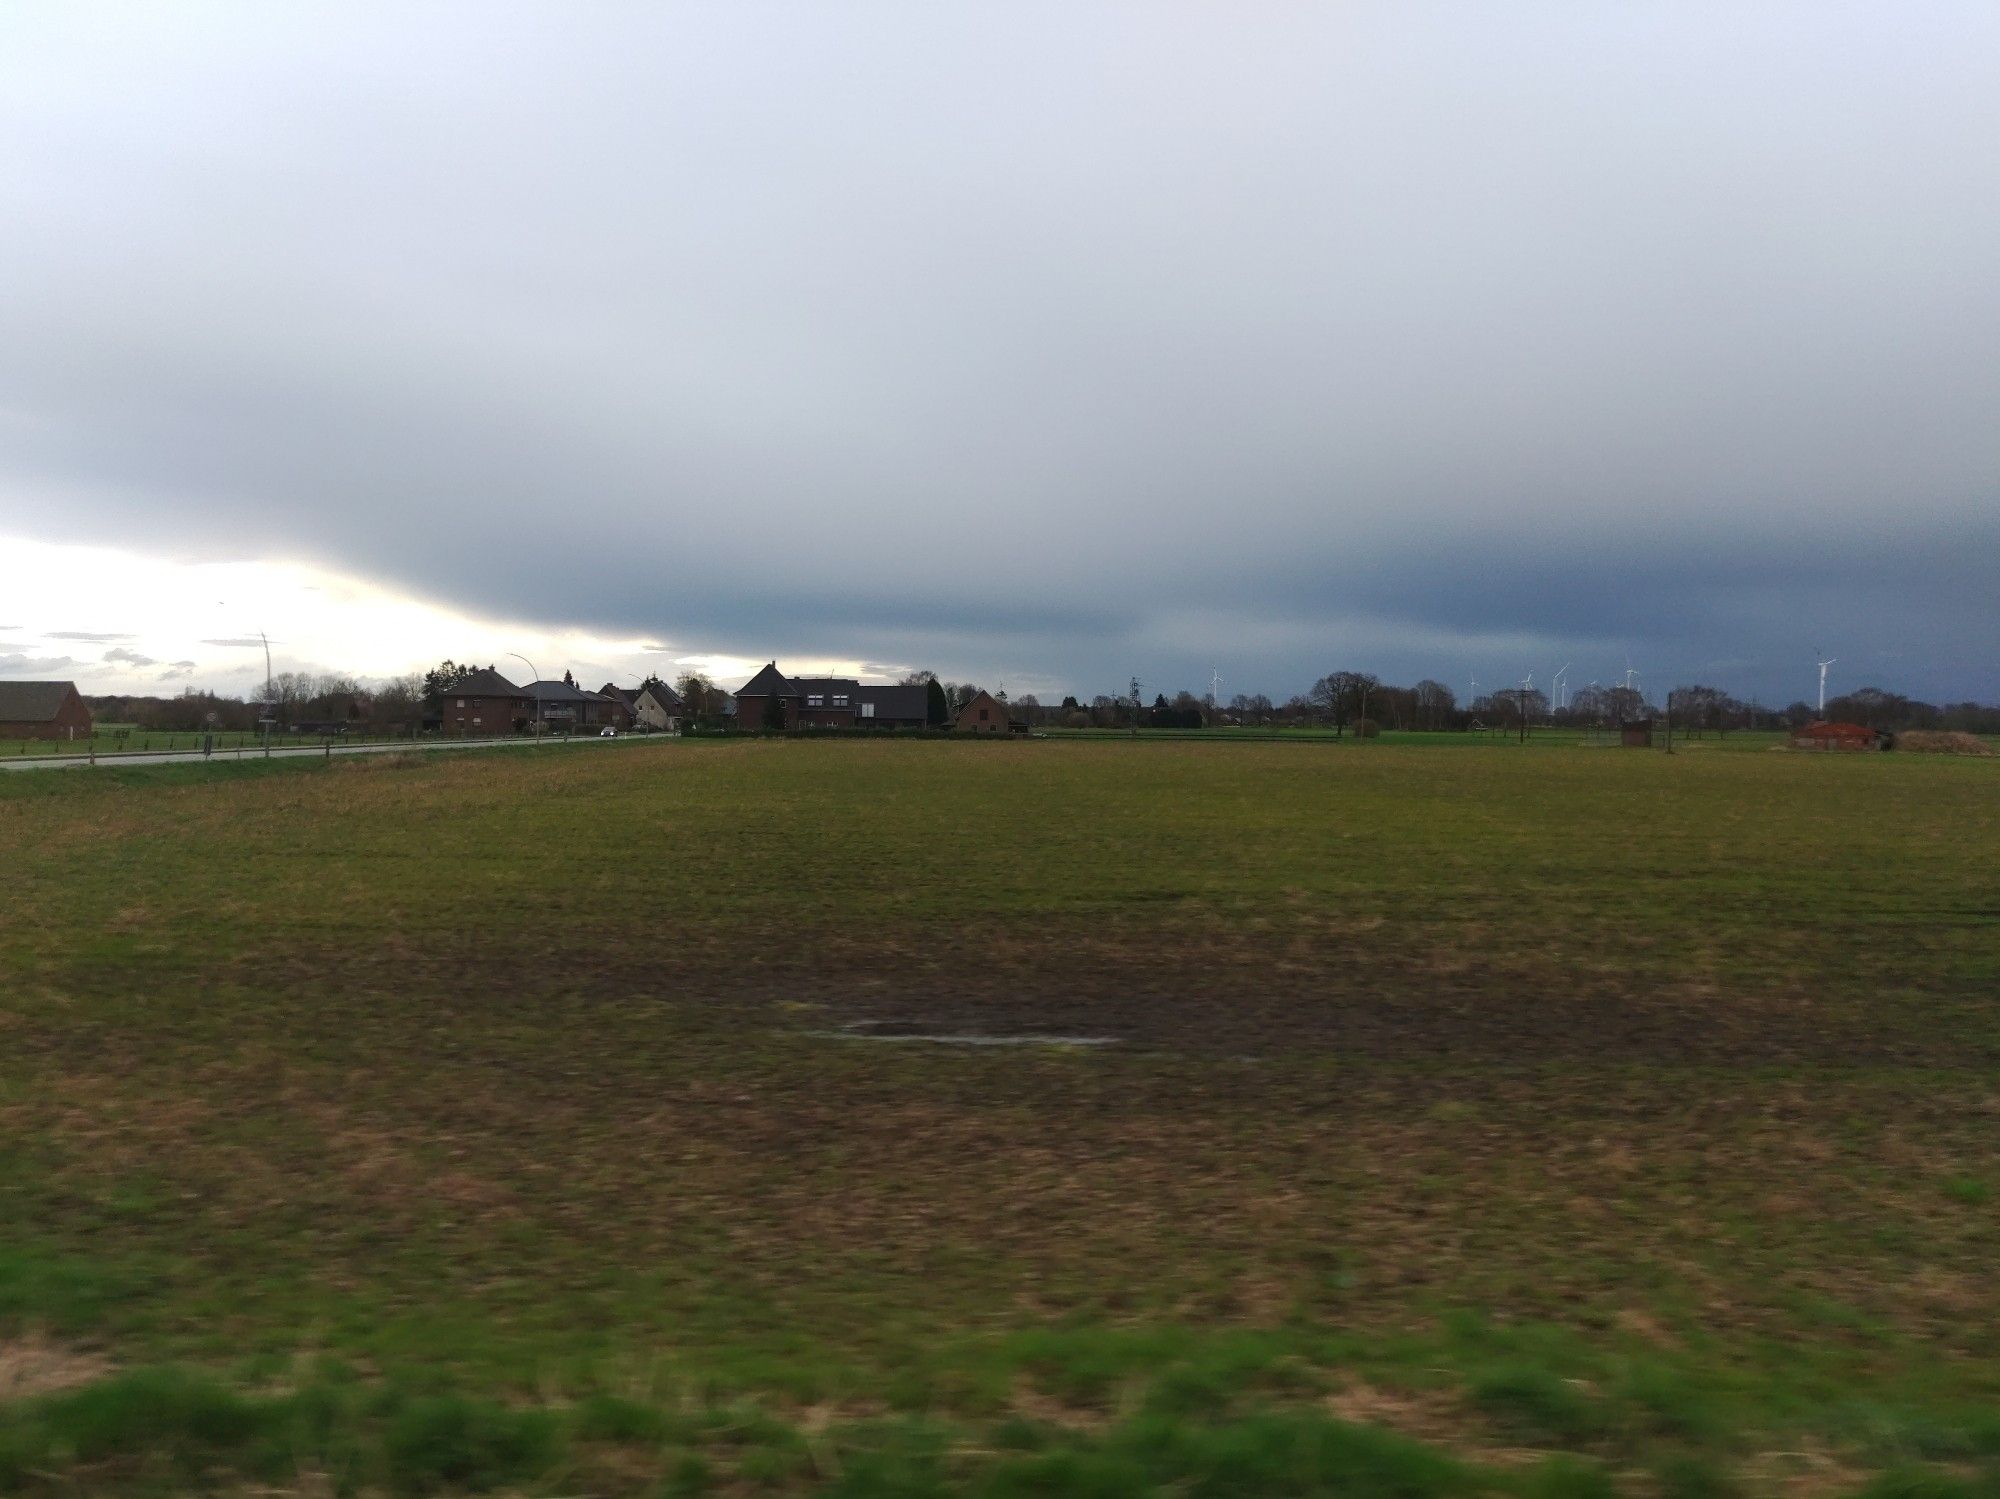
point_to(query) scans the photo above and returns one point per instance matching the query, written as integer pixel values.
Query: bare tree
(1337, 694)
(1434, 702)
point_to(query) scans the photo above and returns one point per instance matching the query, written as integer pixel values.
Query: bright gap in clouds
(117, 622)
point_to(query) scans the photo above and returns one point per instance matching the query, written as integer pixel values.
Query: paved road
(223, 757)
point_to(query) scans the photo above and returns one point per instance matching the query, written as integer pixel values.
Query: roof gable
(33, 702)
(770, 682)
(983, 699)
(486, 682)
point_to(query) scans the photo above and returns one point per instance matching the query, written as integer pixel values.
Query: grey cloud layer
(1060, 341)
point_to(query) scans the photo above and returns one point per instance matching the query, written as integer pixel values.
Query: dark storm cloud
(1037, 341)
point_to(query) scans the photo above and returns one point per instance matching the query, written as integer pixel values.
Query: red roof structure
(1820, 735)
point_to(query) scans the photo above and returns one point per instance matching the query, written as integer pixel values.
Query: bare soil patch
(31, 1364)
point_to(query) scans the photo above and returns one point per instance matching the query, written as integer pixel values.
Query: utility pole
(1135, 707)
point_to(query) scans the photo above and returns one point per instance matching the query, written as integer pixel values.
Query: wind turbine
(1823, 665)
(1562, 691)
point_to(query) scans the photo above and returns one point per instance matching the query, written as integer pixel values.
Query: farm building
(1838, 736)
(830, 702)
(1636, 735)
(42, 710)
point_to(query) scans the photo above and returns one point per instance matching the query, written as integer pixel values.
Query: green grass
(1568, 1122)
(124, 739)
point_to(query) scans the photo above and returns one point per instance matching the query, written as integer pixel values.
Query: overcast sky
(1044, 344)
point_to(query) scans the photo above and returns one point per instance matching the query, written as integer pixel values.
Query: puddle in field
(920, 1031)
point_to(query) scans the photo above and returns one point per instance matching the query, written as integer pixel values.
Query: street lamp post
(535, 677)
(268, 708)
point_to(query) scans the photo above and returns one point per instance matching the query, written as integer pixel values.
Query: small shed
(1820, 735)
(1636, 735)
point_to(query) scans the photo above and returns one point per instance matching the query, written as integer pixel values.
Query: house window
(840, 700)
(982, 715)
(461, 702)
(867, 710)
(814, 701)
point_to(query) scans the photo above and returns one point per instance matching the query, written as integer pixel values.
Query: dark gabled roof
(560, 692)
(845, 687)
(895, 701)
(770, 682)
(486, 682)
(33, 702)
(663, 694)
(629, 696)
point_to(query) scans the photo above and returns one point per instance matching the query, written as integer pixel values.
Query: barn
(43, 710)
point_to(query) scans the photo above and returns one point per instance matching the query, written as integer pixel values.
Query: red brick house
(43, 710)
(484, 703)
(984, 714)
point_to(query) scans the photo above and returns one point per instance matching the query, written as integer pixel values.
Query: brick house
(43, 710)
(830, 702)
(984, 714)
(564, 705)
(484, 703)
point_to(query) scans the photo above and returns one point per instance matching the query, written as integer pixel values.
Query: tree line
(1348, 702)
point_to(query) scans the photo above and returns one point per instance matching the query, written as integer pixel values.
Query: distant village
(481, 701)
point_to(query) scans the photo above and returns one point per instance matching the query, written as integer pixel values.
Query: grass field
(125, 739)
(1469, 1121)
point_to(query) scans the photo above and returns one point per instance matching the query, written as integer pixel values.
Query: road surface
(310, 751)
